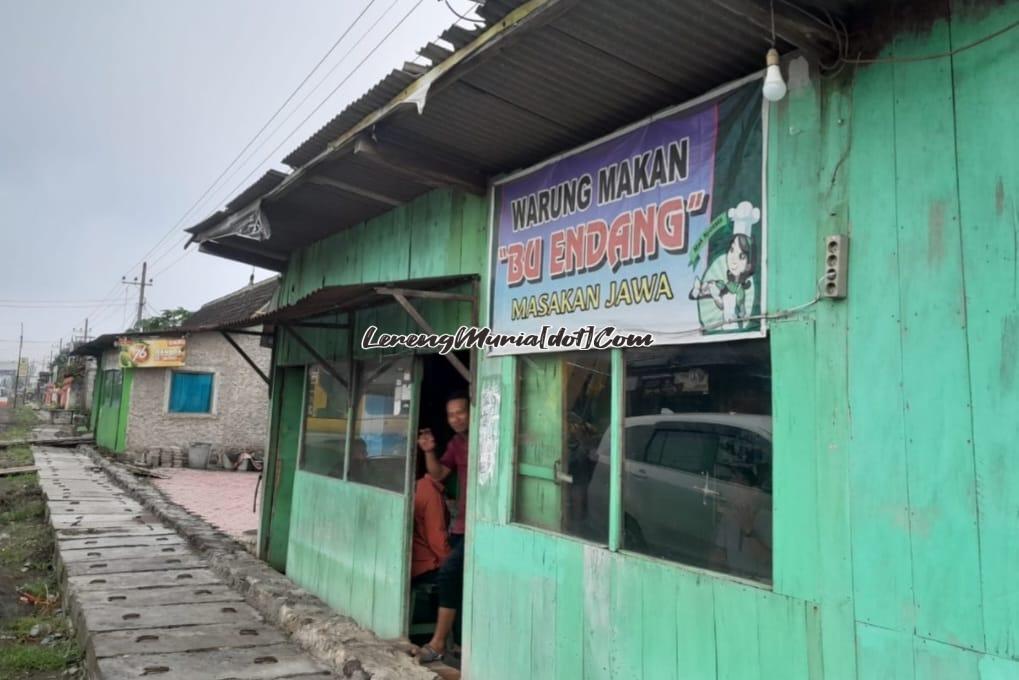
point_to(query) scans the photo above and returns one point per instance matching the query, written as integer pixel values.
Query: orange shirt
(431, 543)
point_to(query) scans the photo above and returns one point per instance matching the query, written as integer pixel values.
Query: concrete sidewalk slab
(144, 579)
(103, 617)
(133, 529)
(92, 506)
(79, 519)
(136, 565)
(183, 639)
(73, 544)
(139, 551)
(137, 597)
(254, 663)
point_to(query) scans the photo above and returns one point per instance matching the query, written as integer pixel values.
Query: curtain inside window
(191, 393)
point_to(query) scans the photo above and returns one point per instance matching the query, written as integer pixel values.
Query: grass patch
(16, 456)
(25, 658)
(26, 566)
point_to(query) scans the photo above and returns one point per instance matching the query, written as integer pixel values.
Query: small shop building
(188, 385)
(810, 472)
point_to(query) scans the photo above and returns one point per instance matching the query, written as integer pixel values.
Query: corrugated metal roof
(260, 187)
(340, 299)
(237, 307)
(579, 72)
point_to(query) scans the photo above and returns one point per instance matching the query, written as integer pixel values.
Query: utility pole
(141, 290)
(17, 370)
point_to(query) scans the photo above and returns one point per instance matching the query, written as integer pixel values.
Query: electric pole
(17, 370)
(86, 329)
(141, 290)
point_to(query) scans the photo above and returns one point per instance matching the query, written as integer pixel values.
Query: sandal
(428, 655)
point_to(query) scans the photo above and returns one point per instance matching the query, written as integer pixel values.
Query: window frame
(303, 433)
(354, 379)
(617, 458)
(213, 411)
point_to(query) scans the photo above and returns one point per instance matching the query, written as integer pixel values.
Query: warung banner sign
(152, 352)
(656, 229)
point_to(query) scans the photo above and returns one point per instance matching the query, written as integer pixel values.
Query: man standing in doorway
(450, 578)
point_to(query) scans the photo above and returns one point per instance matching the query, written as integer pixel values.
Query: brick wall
(240, 417)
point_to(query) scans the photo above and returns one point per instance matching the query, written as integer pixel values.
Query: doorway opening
(439, 381)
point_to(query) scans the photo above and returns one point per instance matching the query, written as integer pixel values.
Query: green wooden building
(869, 433)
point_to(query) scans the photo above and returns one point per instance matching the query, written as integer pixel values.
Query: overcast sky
(116, 115)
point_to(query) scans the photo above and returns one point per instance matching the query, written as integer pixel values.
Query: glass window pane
(564, 410)
(190, 392)
(697, 489)
(378, 450)
(325, 420)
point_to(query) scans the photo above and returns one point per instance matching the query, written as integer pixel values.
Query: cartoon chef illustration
(728, 281)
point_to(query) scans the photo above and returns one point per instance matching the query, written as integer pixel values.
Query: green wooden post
(616, 452)
(348, 437)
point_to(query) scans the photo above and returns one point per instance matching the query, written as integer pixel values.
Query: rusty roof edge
(416, 93)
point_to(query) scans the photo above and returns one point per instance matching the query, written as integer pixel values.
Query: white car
(696, 489)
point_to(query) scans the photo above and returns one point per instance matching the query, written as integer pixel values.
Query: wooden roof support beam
(327, 365)
(259, 259)
(427, 328)
(355, 190)
(430, 294)
(416, 166)
(244, 355)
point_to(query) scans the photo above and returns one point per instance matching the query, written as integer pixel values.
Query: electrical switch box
(835, 283)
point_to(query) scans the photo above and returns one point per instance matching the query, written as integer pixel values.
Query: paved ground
(146, 604)
(221, 498)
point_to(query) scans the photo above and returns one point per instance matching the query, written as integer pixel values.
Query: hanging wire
(772, 5)
(841, 35)
(939, 55)
(461, 16)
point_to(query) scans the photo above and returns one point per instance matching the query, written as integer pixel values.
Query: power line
(938, 55)
(172, 264)
(303, 121)
(461, 16)
(328, 96)
(251, 141)
(306, 97)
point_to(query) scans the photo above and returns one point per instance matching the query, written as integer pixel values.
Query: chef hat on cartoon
(744, 216)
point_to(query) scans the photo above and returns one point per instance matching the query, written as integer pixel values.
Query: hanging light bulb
(774, 86)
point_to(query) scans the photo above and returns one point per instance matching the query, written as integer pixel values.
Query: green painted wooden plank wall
(896, 484)
(347, 546)
(443, 233)
(111, 421)
(986, 83)
(347, 542)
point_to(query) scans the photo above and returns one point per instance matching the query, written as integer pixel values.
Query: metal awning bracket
(400, 297)
(244, 355)
(327, 366)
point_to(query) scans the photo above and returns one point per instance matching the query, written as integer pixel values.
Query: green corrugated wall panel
(111, 420)
(939, 437)
(570, 610)
(938, 661)
(97, 399)
(882, 558)
(986, 81)
(123, 417)
(347, 545)
(793, 157)
(884, 653)
(838, 629)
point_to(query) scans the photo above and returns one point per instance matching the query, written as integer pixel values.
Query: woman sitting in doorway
(430, 545)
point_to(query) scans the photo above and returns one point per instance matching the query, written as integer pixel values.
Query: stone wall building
(238, 415)
(188, 385)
